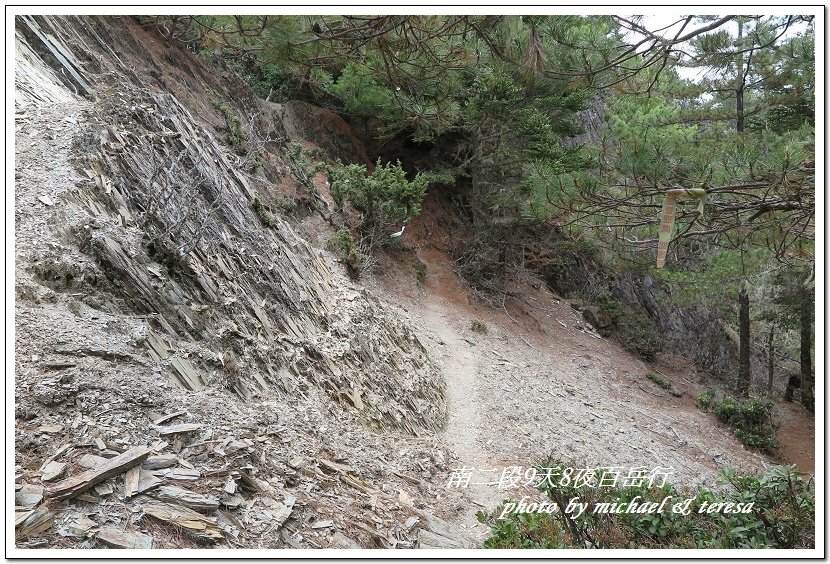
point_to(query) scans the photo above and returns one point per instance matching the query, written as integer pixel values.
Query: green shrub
(236, 135)
(256, 162)
(385, 198)
(663, 383)
(356, 261)
(478, 327)
(421, 274)
(753, 421)
(635, 331)
(659, 380)
(704, 401)
(304, 163)
(726, 409)
(612, 307)
(782, 515)
(263, 212)
(286, 204)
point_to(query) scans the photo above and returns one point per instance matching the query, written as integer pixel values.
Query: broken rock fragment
(52, 471)
(117, 538)
(160, 461)
(181, 428)
(200, 527)
(193, 500)
(75, 485)
(29, 495)
(27, 523)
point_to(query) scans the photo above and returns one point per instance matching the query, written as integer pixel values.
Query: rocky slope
(147, 285)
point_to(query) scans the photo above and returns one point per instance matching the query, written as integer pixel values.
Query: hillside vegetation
(285, 281)
(559, 138)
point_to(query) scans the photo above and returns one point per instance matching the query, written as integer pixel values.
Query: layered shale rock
(169, 216)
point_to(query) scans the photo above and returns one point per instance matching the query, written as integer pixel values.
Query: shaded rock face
(600, 320)
(693, 332)
(327, 130)
(166, 214)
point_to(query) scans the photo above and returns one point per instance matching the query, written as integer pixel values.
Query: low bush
(659, 380)
(781, 515)
(236, 134)
(612, 307)
(385, 199)
(421, 274)
(704, 401)
(752, 421)
(357, 262)
(264, 213)
(663, 383)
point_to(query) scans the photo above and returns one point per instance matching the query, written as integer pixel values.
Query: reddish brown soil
(536, 317)
(797, 436)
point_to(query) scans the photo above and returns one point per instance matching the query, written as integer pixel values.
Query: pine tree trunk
(770, 358)
(741, 78)
(743, 322)
(739, 103)
(807, 393)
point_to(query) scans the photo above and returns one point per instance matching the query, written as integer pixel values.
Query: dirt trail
(460, 372)
(534, 385)
(463, 434)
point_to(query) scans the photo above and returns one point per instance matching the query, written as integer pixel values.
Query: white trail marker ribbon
(667, 218)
